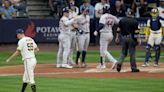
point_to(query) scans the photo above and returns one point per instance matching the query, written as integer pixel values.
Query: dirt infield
(47, 70)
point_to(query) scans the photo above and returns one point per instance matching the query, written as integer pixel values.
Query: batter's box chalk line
(95, 70)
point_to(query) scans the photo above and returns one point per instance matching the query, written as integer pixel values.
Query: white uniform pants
(29, 66)
(155, 38)
(83, 41)
(73, 45)
(64, 48)
(105, 39)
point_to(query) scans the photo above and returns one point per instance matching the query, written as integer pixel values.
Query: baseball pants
(83, 41)
(29, 66)
(105, 39)
(64, 48)
(72, 47)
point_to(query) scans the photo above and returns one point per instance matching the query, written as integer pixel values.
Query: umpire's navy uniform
(128, 27)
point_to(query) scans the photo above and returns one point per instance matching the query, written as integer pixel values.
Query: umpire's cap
(129, 12)
(20, 31)
(106, 9)
(66, 9)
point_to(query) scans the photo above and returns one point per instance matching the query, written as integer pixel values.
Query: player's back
(108, 20)
(27, 47)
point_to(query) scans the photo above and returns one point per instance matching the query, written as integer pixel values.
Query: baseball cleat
(145, 65)
(100, 66)
(155, 65)
(66, 66)
(76, 66)
(135, 70)
(83, 65)
(119, 67)
(71, 63)
(58, 65)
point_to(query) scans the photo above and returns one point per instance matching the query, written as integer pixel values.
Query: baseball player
(154, 30)
(105, 28)
(73, 13)
(83, 37)
(161, 13)
(64, 39)
(27, 47)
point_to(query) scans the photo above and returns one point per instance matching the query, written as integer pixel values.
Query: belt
(105, 32)
(86, 32)
(155, 32)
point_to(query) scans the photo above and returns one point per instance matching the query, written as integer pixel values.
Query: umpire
(128, 28)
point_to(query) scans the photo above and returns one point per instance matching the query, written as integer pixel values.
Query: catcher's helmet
(154, 12)
(106, 9)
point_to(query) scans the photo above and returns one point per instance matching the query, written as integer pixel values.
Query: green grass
(50, 57)
(13, 84)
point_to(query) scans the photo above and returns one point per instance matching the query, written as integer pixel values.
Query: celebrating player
(105, 28)
(73, 13)
(83, 37)
(64, 39)
(27, 47)
(154, 29)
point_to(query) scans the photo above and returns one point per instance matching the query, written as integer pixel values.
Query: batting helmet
(106, 9)
(66, 9)
(154, 12)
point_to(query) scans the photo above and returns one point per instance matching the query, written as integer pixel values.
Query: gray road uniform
(83, 37)
(106, 36)
(72, 38)
(64, 41)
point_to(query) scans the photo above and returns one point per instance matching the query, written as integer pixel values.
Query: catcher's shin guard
(147, 56)
(157, 54)
(24, 87)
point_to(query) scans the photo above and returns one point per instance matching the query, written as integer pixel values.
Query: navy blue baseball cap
(19, 31)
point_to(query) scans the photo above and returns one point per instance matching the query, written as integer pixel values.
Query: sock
(101, 60)
(83, 56)
(24, 87)
(77, 56)
(33, 87)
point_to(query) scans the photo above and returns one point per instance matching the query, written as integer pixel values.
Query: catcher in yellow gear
(153, 35)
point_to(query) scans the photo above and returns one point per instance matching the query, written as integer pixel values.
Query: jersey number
(30, 46)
